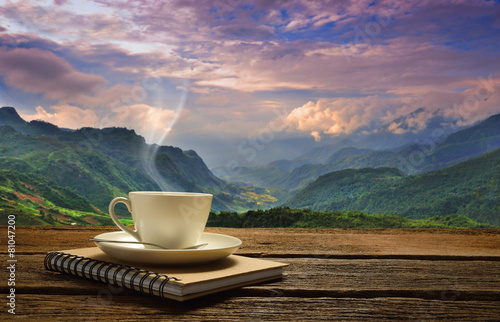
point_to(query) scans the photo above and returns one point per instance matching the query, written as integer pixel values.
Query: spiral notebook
(178, 283)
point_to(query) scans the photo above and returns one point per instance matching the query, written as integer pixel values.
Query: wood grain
(373, 277)
(300, 242)
(333, 274)
(223, 307)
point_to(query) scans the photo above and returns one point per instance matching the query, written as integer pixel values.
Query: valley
(58, 176)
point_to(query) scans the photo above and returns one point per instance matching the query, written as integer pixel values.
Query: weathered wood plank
(313, 242)
(333, 277)
(270, 308)
(319, 285)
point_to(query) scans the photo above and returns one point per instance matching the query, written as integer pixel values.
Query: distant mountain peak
(9, 116)
(8, 109)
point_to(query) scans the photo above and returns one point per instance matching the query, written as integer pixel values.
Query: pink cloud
(40, 71)
(66, 116)
(339, 115)
(379, 68)
(208, 53)
(60, 2)
(347, 115)
(223, 48)
(316, 136)
(152, 122)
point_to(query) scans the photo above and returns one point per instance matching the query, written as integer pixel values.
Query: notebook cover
(194, 281)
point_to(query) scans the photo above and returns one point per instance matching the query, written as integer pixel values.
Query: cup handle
(112, 205)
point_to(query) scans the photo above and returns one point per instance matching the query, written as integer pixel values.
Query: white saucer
(219, 246)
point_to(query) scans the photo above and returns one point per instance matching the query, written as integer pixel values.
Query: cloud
(112, 96)
(400, 115)
(66, 116)
(243, 48)
(60, 2)
(476, 104)
(82, 18)
(272, 104)
(296, 24)
(316, 136)
(213, 100)
(152, 122)
(265, 54)
(339, 115)
(261, 32)
(40, 71)
(403, 65)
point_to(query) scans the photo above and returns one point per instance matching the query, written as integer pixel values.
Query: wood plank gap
(376, 256)
(260, 291)
(344, 256)
(347, 256)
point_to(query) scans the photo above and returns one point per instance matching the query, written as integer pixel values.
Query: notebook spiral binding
(67, 263)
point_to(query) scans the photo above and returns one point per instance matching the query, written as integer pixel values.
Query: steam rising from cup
(158, 133)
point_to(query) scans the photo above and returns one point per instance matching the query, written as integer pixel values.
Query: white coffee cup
(168, 219)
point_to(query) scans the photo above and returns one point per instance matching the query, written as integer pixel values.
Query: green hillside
(100, 164)
(34, 202)
(89, 173)
(471, 189)
(182, 170)
(344, 186)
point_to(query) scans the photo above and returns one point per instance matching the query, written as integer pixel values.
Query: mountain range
(436, 152)
(402, 131)
(470, 188)
(51, 175)
(100, 164)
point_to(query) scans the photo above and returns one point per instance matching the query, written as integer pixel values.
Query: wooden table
(334, 274)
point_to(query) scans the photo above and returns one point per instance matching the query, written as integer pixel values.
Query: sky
(223, 75)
